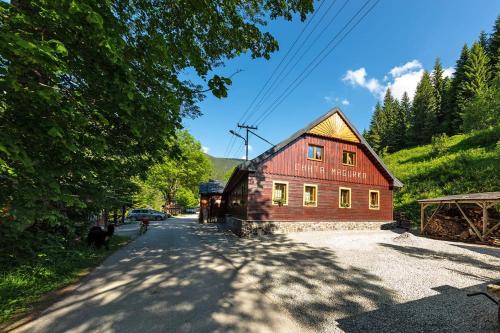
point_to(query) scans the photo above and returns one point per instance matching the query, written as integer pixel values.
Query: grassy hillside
(459, 164)
(222, 166)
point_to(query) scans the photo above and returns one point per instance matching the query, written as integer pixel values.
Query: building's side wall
(236, 200)
(260, 206)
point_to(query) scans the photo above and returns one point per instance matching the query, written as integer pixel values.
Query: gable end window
(344, 197)
(374, 199)
(310, 195)
(348, 158)
(280, 193)
(315, 152)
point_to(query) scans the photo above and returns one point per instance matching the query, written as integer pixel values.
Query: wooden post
(123, 214)
(470, 223)
(485, 217)
(432, 217)
(422, 217)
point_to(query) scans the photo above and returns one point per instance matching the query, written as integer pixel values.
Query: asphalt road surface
(167, 280)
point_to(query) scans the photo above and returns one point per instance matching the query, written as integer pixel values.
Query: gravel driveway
(370, 281)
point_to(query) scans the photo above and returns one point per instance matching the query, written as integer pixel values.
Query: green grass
(466, 163)
(54, 265)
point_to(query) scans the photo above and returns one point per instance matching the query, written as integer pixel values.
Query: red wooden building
(324, 177)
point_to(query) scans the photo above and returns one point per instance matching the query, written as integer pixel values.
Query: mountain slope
(460, 164)
(222, 166)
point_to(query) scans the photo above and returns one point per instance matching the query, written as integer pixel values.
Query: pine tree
(439, 84)
(480, 104)
(494, 48)
(373, 134)
(405, 107)
(456, 97)
(423, 115)
(483, 40)
(477, 71)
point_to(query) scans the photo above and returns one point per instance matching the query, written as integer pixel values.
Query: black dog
(98, 237)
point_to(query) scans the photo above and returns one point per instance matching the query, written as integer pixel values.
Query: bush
(439, 145)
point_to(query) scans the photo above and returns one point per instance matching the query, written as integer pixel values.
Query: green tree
(483, 110)
(424, 109)
(457, 96)
(405, 107)
(184, 171)
(494, 47)
(93, 91)
(477, 72)
(393, 129)
(373, 135)
(440, 84)
(186, 198)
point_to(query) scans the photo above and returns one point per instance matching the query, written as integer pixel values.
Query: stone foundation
(245, 228)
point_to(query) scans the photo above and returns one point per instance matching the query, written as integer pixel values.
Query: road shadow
(450, 310)
(307, 282)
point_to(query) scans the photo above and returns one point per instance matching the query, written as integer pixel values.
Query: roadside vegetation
(464, 163)
(93, 98)
(51, 263)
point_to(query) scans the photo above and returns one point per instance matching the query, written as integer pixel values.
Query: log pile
(448, 223)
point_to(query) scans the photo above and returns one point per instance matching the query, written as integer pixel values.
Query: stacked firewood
(449, 223)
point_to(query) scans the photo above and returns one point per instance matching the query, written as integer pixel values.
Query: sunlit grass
(468, 163)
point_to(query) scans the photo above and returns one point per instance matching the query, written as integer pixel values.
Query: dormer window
(315, 152)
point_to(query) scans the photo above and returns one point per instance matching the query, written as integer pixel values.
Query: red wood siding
(291, 165)
(261, 208)
(236, 200)
(293, 161)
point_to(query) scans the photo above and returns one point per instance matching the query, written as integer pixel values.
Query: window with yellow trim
(374, 199)
(348, 158)
(344, 197)
(280, 193)
(310, 195)
(315, 152)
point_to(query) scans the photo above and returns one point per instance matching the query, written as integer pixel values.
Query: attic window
(348, 158)
(315, 152)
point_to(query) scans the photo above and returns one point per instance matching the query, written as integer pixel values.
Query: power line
(279, 79)
(229, 147)
(306, 72)
(281, 62)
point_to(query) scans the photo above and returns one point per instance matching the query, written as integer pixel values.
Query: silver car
(145, 213)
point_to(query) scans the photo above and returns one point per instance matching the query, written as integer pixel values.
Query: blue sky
(390, 47)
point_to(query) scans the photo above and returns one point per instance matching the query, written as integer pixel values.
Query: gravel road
(371, 281)
(185, 277)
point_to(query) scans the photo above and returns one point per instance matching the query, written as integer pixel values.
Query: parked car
(192, 210)
(139, 214)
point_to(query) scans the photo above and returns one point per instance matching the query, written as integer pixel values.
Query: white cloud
(399, 79)
(328, 99)
(345, 102)
(358, 78)
(405, 83)
(410, 66)
(449, 72)
(250, 148)
(205, 149)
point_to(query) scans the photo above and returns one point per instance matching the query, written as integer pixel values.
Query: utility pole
(245, 139)
(247, 127)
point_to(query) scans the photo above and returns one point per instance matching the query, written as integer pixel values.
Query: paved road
(168, 280)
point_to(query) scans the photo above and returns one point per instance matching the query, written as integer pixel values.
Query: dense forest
(442, 106)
